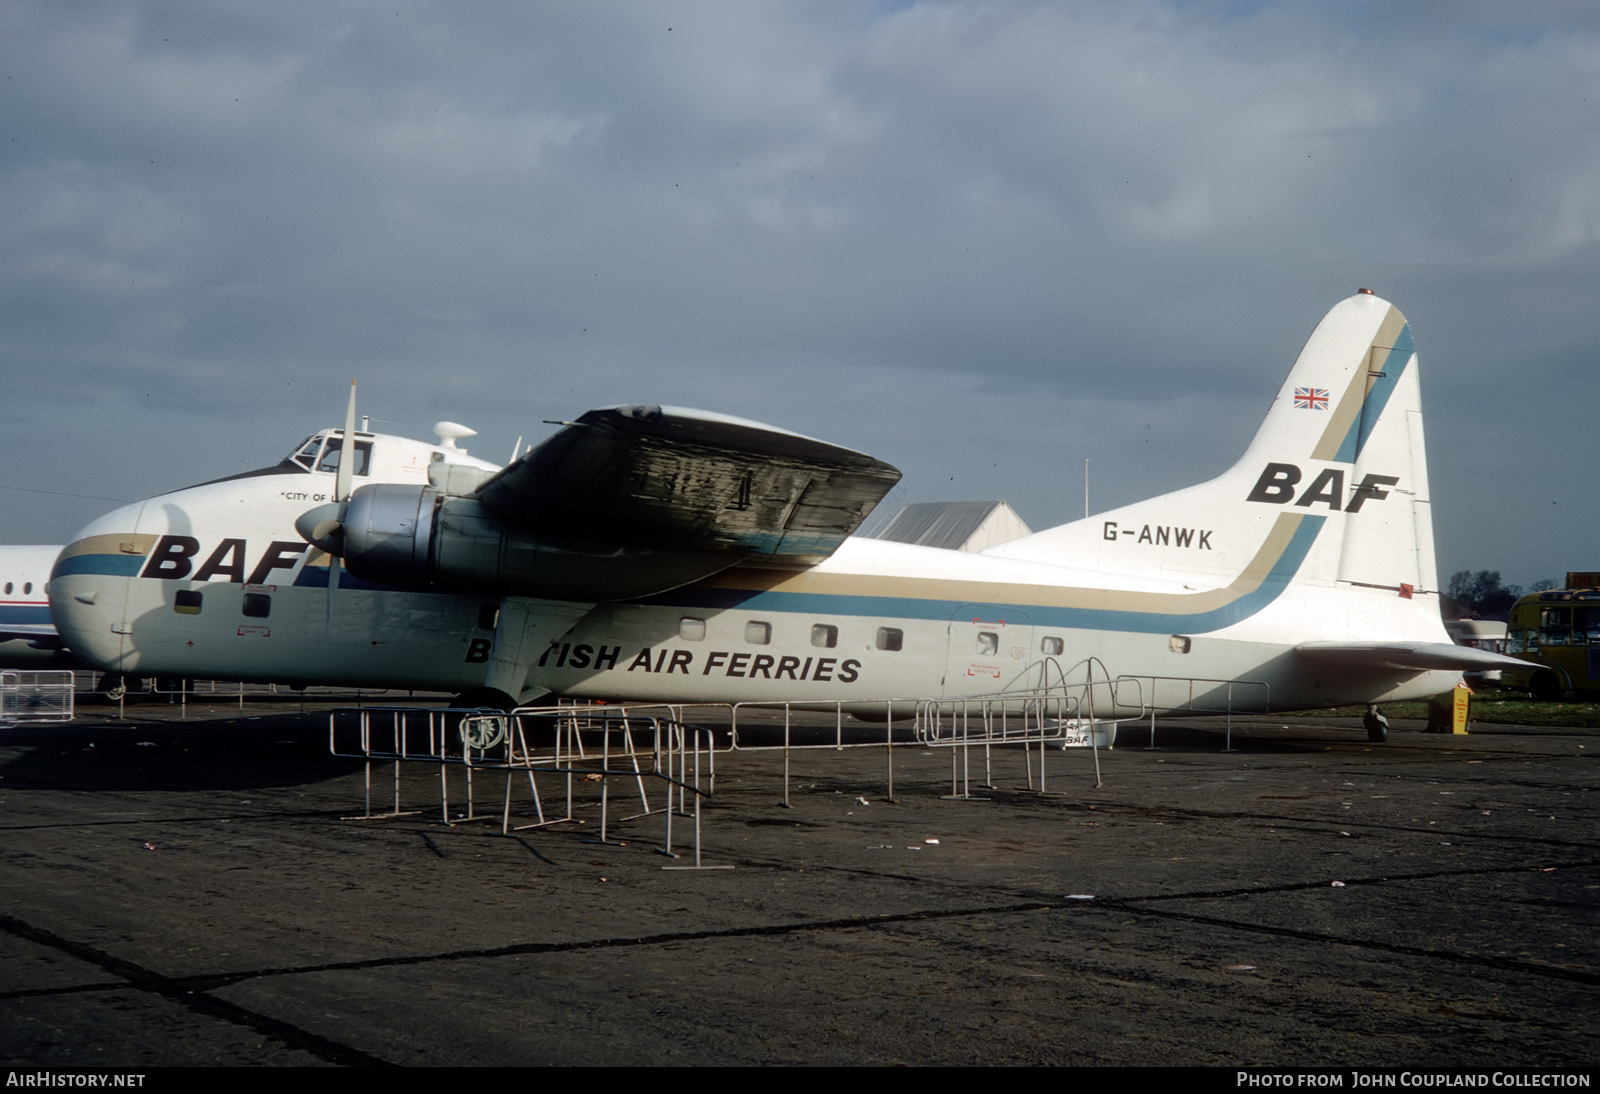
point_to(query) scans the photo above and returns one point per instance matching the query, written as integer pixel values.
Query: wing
(42, 635)
(624, 502)
(680, 480)
(1417, 656)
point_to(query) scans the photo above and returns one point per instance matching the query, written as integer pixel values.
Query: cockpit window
(330, 456)
(306, 454)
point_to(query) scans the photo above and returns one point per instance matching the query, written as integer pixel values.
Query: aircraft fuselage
(1303, 576)
(213, 579)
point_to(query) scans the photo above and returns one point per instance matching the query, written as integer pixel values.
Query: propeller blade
(341, 497)
(341, 489)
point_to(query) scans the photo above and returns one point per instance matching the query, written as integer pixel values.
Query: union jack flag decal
(1311, 398)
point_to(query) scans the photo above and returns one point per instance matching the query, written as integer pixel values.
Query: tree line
(1479, 594)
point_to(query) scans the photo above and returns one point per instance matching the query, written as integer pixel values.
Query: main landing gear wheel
(1544, 686)
(483, 731)
(484, 698)
(480, 733)
(1377, 726)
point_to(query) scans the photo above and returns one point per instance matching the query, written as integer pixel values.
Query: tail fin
(1333, 490)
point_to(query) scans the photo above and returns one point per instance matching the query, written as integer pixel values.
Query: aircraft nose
(87, 601)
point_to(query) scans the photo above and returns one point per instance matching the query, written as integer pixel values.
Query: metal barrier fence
(676, 744)
(1179, 697)
(1062, 715)
(45, 696)
(578, 744)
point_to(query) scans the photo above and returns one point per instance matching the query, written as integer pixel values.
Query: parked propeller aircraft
(658, 553)
(28, 638)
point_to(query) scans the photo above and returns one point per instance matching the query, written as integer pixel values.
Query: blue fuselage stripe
(887, 607)
(109, 565)
(1243, 607)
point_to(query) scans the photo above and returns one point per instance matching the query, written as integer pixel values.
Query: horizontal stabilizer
(1416, 656)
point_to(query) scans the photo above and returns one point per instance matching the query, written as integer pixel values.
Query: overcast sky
(983, 241)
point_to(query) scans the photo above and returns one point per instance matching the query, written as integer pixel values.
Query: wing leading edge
(35, 632)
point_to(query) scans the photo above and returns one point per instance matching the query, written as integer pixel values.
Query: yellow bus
(1559, 631)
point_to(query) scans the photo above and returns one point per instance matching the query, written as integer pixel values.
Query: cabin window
(988, 643)
(186, 602)
(1050, 646)
(824, 635)
(1179, 643)
(257, 605)
(27, 587)
(8, 588)
(757, 633)
(691, 629)
(890, 638)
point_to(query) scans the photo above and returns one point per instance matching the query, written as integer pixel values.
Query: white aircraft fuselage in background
(28, 637)
(1307, 568)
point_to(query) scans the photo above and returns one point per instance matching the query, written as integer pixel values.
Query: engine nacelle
(418, 537)
(388, 534)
